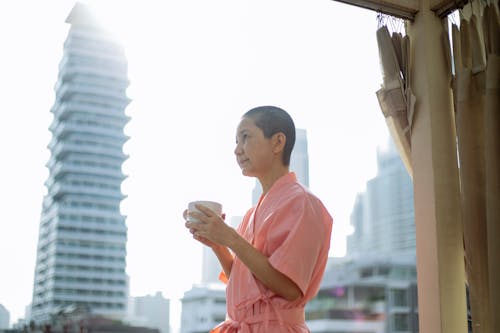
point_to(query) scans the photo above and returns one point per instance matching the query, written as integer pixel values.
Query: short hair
(272, 120)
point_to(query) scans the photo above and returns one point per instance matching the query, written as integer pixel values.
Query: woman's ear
(279, 140)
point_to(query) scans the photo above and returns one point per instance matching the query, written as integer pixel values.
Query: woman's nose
(237, 149)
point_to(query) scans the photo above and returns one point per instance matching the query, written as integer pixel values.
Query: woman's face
(253, 150)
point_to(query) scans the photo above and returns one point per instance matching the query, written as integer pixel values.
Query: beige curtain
(395, 97)
(474, 60)
(476, 83)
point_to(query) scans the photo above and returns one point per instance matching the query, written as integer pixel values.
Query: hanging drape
(474, 61)
(476, 83)
(395, 97)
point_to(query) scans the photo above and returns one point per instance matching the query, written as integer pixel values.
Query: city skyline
(202, 62)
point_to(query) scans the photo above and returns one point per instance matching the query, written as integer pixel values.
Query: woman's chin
(246, 172)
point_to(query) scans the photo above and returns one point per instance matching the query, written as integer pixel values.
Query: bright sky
(194, 67)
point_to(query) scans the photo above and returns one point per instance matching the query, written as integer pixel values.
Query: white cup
(214, 206)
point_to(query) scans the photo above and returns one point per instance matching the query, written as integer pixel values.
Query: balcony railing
(67, 90)
(59, 189)
(75, 236)
(66, 147)
(62, 168)
(64, 128)
(91, 263)
(108, 112)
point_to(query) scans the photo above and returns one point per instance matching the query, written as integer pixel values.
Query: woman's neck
(271, 177)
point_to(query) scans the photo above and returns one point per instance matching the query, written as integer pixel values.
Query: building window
(399, 297)
(400, 322)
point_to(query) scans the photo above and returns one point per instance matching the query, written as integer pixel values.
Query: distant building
(299, 163)
(150, 311)
(383, 216)
(203, 307)
(374, 288)
(82, 237)
(375, 294)
(4, 318)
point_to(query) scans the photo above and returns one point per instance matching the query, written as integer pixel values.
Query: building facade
(4, 318)
(376, 294)
(150, 311)
(383, 216)
(82, 235)
(203, 308)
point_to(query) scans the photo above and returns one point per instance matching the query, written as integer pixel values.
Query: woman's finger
(207, 211)
(197, 215)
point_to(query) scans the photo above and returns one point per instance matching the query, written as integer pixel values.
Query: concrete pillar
(440, 255)
(492, 129)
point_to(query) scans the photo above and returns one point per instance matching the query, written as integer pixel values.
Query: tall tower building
(4, 318)
(299, 163)
(82, 236)
(383, 216)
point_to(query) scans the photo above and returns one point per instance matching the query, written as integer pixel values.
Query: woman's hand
(211, 230)
(211, 224)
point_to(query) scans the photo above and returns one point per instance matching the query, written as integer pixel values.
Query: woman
(274, 262)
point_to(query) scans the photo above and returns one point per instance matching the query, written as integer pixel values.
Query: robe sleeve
(299, 239)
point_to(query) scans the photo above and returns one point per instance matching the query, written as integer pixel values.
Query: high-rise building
(383, 216)
(82, 235)
(4, 318)
(299, 163)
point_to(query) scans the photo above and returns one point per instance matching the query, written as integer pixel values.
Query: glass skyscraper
(383, 216)
(82, 236)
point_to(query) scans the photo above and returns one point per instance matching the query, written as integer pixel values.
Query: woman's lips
(241, 162)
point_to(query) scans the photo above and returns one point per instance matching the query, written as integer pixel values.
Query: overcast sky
(195, 67)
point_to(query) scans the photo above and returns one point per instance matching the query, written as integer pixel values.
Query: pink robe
(292, 228)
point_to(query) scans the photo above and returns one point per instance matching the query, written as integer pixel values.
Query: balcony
(90, 225)
(68, 90)
(62, 148)
(64, 128)
(61, 110)
(91, 263)
(89, 298)
(58, 190)
(90, 212)
(118, 253)
(63, 168)
(91, 237)
(71, 70)
(89, 285)
(90, 275)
